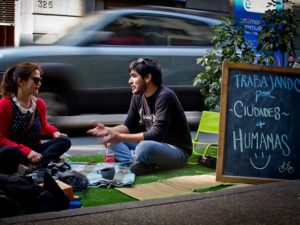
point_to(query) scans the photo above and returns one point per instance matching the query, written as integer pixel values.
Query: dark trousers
(51, 150)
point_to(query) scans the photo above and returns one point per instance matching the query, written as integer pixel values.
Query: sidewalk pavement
(273, 203)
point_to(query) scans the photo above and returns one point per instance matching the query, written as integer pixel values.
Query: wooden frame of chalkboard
(259, 136)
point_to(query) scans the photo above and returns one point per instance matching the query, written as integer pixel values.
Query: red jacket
(5, 123)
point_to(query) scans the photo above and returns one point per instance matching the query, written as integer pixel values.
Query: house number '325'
(45, 4)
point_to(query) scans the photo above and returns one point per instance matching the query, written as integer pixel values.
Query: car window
(78, 32)
(156, 30)
(125, 31)
(176, 32)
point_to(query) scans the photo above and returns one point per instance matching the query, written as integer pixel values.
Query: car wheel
(56, 105)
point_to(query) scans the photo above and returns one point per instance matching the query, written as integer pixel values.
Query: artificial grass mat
(103, 196)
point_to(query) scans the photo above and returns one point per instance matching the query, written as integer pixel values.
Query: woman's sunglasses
(37, 80)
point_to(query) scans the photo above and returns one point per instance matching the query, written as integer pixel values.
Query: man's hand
(100, 130)
(112, 137)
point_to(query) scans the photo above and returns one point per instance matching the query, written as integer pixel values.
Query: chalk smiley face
(258, 160)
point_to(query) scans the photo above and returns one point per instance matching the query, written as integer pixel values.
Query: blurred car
(86, 71)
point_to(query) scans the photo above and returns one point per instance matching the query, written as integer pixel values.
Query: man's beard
(142, 90)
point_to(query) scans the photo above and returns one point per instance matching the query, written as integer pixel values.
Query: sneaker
(34, 166)
(139, 168)
(23, 170)
(55, 167)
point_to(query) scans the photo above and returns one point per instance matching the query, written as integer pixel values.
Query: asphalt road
(83, 144)
(84, 121)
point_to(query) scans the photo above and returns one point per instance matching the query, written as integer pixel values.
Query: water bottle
(109, 156)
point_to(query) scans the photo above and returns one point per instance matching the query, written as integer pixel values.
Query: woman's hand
(57, 134)
(34, 157)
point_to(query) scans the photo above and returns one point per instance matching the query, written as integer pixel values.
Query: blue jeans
(151, 153)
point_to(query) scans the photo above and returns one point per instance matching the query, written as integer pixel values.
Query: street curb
(81, 212)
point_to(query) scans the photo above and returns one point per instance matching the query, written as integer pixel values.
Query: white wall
(45, 18)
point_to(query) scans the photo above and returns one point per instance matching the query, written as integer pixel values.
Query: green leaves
(278, 31)
(229, 45)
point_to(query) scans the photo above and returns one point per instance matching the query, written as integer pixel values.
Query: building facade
(23, 22)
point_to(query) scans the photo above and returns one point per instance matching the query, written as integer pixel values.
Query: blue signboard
(248, 14)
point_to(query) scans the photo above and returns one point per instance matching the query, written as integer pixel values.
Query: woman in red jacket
(23, 121)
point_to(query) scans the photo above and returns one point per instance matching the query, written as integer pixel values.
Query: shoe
(54, 168)
(23, 170)
(139, 168)
(34, 166)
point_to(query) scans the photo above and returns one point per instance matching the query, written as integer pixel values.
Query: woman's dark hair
(145, 66)
(9, 84)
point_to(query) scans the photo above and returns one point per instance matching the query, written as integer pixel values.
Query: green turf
(86, 158)
(102, 196)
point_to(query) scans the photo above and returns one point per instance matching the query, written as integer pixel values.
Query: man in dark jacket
(165, 140)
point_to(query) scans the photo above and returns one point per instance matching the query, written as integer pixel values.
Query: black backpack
(21, 195)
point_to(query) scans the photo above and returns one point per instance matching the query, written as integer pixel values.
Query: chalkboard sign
(259, 137)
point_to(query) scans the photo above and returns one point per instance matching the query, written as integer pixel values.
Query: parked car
(86, 71)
